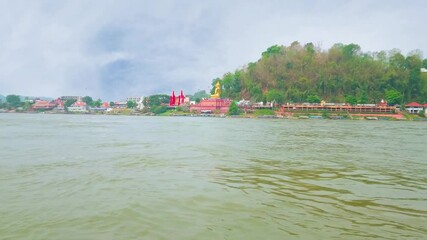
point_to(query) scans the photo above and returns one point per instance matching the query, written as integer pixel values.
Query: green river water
(119, 177)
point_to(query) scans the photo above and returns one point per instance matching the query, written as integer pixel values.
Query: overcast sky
(114, 49)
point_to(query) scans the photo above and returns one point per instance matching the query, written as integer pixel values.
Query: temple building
(214, 104)
(178, 100)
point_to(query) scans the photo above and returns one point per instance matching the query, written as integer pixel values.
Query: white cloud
(113, 49)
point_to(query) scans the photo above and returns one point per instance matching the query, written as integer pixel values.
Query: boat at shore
(371, 118)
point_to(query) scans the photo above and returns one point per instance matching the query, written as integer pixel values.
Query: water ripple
(114, 177)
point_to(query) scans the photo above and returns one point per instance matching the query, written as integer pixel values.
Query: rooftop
(413, 104)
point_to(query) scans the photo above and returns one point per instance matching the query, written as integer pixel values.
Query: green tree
(313, 99)
(351, 50)
(69, 102)
(275, 49)
(363, 98)
(325, 114)
(158, 109)
(275, 95)
(231, 85)
(88, 100)
(26, 106)
(112, 104)
(157, 100)
(14, 101)
(256, 93)
(393, 97)
(130, 104)
(199, 95)
(234, 109)
(300, 71)
(350, 99)
(97, 103)
(422, 113)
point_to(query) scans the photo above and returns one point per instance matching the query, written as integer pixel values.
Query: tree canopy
(14, 101)
(69, 102)
(156, 100)
(130, 104)
(234, 109)
(97, 103)
(296, 72)
(88, 100)
(199, 95)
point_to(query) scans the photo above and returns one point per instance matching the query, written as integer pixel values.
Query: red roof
(41, 104)
(79, 104)
(425, 105)
(413, 104)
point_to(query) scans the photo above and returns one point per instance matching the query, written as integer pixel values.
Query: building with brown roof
(43, 105)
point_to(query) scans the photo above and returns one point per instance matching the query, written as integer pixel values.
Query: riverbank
(291, 116)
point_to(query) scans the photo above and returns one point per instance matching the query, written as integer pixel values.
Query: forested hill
(298, 73)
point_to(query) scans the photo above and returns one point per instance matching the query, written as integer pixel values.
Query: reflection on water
(115, 177)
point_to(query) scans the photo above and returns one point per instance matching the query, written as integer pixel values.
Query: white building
(138, 100)
(78, 106)
(134, 99)
(414, 107)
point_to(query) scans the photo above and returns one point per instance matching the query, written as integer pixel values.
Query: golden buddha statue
(217, 93)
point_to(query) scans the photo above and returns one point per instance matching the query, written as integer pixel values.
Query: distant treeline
(343, 73)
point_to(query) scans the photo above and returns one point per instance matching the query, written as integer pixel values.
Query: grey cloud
(115, 49)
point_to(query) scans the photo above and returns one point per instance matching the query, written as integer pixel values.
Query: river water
(120, 177)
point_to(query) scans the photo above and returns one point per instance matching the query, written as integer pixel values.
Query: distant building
(59, 104)
(211, 105)
(339, 107)
(177, 100)
(244, 103)
(134, 99)
(120, 104)
(382, 103)
(138, 100)
(414, 107)
(187, 100)
(60, 107)
(43, 105)
(65, 98)
(78, 106)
